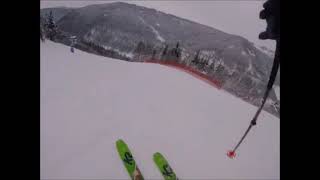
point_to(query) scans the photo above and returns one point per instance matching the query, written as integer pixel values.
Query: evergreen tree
(154, 54)
(177, 51)
(140, 48)
(164, 53)
(42, 35)
(201, 64)
(212, 66)
(219, 69)
(196, 58)
(148, 49)
(51, 27)
(165, 50)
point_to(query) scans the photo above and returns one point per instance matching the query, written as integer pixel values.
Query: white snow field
(89, 101)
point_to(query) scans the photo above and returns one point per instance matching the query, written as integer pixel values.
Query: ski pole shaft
(273, 74)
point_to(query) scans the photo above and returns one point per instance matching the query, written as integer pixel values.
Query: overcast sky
(232, 16)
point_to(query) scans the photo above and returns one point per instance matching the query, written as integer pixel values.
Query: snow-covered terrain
(265, 50)
(123, 26)
(277, 91)
(157, 34)
(89, 101)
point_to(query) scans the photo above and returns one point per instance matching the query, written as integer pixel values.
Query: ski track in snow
(158, 36)
(90, 101)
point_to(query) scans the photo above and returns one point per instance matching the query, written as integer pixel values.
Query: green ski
(128, 160)
(164, 167)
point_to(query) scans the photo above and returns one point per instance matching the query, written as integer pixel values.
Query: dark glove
(271, 13)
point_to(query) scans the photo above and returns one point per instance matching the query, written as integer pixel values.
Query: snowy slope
(277, 91)
(88, 102)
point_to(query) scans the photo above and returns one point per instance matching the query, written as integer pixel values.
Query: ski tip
(119, 142)
(157, 154)
(231, 154)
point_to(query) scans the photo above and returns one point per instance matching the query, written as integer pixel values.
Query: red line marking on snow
(195, 73)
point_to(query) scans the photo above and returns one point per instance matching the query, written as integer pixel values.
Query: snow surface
(250, 66)
(89, 101)
(265, 50)
(277, 91)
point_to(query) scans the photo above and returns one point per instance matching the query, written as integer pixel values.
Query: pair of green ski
(132, 168)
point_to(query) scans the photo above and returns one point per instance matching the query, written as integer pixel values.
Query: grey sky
(234, 17)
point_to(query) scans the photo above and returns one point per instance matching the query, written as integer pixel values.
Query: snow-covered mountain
(89, 101)
(58, 12)
(266, 50)
(121, 26)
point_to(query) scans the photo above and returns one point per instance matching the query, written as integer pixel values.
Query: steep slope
(89, 101)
